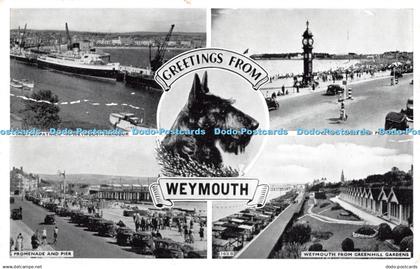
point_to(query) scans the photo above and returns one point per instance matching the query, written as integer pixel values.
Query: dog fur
(207, 112)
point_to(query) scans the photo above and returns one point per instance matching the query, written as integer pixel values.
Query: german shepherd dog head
(207, 111)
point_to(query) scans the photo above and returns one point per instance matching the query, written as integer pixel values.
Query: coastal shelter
(124, 192)
(393, 204)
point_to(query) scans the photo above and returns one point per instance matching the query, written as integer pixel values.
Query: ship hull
(91, 72)
(23, 59)
(142, 81)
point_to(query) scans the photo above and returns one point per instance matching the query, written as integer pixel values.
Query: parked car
(334, 89)
(143, 243)
(16, 214)
(49, 219)
(272, 103)
(395, 120)
(108, 229)
(408, 111)
(84, 220)
(167, 248)
(62, 211)
(75, 216)
(124, 236)
(94, 223)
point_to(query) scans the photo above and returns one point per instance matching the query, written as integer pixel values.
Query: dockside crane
(69, 42)
(17, 39)
(22, 38)
(161, 50)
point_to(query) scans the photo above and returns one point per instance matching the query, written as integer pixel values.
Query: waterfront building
(22, 182)
(123, 192)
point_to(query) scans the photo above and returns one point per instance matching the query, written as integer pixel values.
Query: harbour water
(107, 96)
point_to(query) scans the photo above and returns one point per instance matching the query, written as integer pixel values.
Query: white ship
(81, 63)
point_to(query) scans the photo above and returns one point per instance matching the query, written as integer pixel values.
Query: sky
(117, 156)
(301, 159)
(110, 20)
(335, 31)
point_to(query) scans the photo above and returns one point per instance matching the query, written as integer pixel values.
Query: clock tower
(307, 43)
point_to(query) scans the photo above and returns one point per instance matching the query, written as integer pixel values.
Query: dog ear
(204, 83)
(196, 91)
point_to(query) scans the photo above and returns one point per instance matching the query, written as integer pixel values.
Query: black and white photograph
(209, 134)
(329, 68)
(350, 195)
(221, 106)
(80, 195)
(94, 68)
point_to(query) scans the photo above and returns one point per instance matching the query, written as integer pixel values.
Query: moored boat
(16, 85)
(127, 121)
(23, 56)
(142, 78)
(22, 83)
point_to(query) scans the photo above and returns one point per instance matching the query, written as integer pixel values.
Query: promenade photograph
(94, 68)
(91, 200)
(351, 195)
(328, 68)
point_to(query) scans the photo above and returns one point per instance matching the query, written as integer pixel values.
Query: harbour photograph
(82, 197)
(345, 196)
(94, 68)
(328, 68)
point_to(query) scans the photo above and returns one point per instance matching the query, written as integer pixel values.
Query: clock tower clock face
(311, 41)
(305, 41)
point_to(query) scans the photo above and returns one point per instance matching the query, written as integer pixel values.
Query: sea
(282, 67)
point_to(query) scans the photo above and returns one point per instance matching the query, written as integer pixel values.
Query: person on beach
(143, 224)
(179, 227)
(55, 234)
(44, 236)
(19, 242)
(191, 236)
(186, 234)
(273, 95)
(201, 232)
(34, 241)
